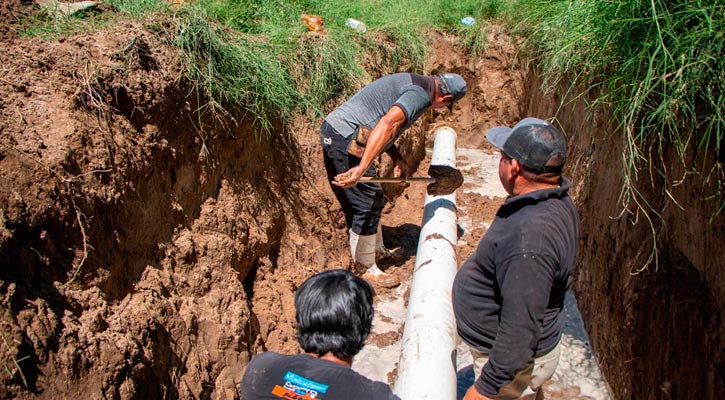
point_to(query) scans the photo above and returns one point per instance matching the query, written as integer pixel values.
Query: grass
(16, 363)
(657, 65)
(234, 74)
(254, 59)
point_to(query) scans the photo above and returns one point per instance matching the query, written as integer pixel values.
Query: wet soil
(148, 252)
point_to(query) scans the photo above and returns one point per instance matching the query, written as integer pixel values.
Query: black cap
(535, 143)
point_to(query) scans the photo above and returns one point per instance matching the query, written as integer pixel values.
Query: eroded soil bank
(658, 332)
(149, 254)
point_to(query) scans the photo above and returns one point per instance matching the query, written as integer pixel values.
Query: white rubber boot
(362, 249)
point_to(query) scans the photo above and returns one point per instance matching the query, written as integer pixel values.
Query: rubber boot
(362, 248)
(383, 255)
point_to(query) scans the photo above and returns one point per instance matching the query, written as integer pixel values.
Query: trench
(194, 262)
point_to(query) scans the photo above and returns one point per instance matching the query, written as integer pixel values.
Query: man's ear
(515, 167)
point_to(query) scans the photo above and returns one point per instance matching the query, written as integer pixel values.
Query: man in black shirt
(508, 297)
(334, 317)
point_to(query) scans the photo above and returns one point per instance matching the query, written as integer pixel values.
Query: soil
(657, 329)
(148, 252)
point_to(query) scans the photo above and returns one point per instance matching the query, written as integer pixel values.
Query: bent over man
(508, 296)
(361, 129)
(334, 311)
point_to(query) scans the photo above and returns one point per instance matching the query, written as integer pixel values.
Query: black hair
(552, 178)
(334, 311)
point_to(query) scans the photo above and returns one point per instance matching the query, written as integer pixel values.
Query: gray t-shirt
(410, 92)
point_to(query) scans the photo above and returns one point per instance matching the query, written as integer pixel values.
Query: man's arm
(379, 137)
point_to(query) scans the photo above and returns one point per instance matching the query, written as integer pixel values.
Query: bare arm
(383, 133)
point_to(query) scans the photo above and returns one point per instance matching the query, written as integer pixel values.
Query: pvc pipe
(427, 366)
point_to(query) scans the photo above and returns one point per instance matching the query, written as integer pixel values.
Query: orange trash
(313, 22)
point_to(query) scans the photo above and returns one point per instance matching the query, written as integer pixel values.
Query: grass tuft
(235, 73)
(657, 65)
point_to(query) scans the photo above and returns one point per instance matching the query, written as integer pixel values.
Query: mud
(446, 180)
(150, 252)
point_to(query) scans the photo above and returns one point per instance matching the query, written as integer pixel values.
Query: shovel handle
(411, 179)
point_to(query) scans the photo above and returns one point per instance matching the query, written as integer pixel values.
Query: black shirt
(508, 296)
(273, 376)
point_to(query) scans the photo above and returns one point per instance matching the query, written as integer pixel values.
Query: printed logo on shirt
(299, 388)
(279, 391)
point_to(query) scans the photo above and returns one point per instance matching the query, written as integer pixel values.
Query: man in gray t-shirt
(361, 129)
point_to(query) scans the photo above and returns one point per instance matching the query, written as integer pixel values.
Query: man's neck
(528, 187)
(332, 358)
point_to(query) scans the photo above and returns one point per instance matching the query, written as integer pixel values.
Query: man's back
(366, 107)
(530, 249)
(272, 376)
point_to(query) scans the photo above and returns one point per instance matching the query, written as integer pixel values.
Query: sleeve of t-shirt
(413, 101)
(525, 281)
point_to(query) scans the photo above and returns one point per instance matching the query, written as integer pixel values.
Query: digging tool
(441, 179)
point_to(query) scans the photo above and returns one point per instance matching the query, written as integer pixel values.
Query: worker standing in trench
(360, 130)
(508, 296)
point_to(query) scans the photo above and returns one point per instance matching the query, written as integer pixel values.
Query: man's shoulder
(277, 372)
(269, 356)
(268, 360)
(404, 76)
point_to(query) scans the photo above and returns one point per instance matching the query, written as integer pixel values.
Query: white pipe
(427, 367)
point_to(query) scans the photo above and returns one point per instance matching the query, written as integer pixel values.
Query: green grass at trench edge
(655, 64)
(256, 57)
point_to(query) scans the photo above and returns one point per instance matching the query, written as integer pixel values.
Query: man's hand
(400, 168)
(472, 394)
(349, 178)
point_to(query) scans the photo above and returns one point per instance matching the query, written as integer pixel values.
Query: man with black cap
(508, 296)
(361, 129)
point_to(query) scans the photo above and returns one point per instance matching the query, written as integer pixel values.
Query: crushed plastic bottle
(313, 22)
(359, 26)
(468, 21)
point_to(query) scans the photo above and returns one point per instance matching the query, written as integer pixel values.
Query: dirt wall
(658, 332)
(131, 228)
(147, 251)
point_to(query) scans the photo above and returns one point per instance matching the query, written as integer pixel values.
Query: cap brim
(498, 136)
(530, 121)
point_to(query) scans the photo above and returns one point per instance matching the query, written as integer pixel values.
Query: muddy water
(578, 375)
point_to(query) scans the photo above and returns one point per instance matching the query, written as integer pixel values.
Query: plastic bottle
(359, 26)
(468, 21)
(313, 22)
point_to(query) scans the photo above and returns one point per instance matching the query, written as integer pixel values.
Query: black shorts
(362, 204)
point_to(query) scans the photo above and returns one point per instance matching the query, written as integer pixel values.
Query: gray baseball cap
(535, 143)
(452, 84)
